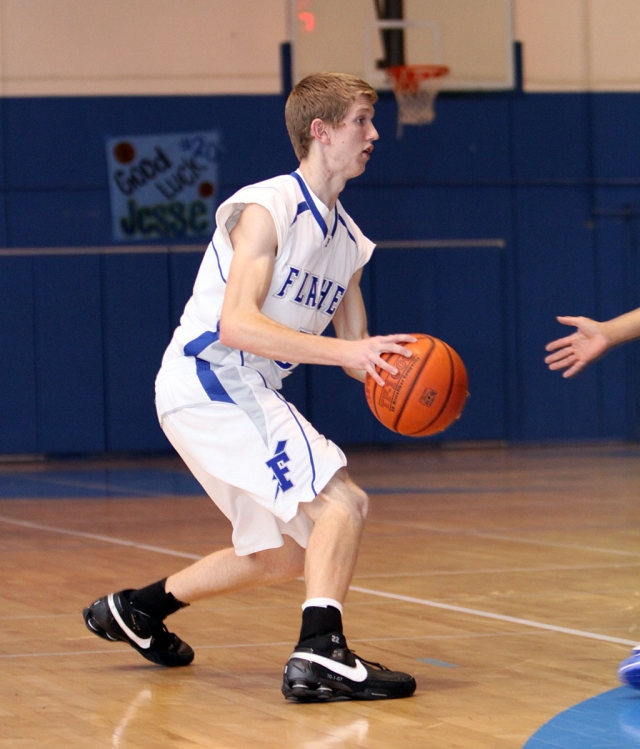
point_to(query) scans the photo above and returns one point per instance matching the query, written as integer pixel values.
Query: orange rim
(407, 77)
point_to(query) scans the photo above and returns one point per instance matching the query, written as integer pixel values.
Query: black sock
(155, 601)
(320, 620)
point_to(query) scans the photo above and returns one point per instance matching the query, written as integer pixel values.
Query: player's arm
(350, 324)
(590, 341)
(350, 319)
(244, 326)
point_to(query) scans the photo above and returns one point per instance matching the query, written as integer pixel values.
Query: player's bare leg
(137, 616)
(224, 571)
(322, 667)
(339, 513)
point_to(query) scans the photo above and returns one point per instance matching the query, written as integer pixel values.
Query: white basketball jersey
(318, 252)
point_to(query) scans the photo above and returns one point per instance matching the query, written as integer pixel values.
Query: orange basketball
(428, 393)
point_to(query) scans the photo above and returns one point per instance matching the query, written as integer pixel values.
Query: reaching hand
(574, 352)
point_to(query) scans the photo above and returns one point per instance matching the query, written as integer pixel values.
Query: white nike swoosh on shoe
(144, 643)
(355, 673)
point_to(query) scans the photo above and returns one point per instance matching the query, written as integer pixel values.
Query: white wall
(50, 47)
(577, 45)
(74, 47)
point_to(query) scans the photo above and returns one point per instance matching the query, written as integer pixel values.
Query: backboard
(473, 38)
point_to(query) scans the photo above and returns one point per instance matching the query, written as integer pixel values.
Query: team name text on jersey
(308, 290)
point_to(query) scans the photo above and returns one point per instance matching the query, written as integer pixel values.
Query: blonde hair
(325, 96)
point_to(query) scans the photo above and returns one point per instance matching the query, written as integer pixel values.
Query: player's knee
(340, 497)
(360, 503)
(353, 502)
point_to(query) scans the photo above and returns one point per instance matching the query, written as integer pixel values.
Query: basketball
(428, 393)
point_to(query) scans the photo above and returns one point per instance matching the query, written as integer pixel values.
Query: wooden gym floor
(506, 580)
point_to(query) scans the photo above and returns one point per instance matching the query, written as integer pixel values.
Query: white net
(417, 108)
(416, 88)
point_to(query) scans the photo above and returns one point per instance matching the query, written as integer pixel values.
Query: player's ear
(320, 131)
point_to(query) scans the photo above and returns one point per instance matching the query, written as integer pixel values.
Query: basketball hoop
(415, 88)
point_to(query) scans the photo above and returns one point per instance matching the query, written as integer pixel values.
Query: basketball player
(589, 342)
(285, 260)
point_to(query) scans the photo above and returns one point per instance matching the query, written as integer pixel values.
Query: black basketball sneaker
(326, 669)
(114, 618)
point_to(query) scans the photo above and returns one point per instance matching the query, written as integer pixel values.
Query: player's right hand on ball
(370, 350)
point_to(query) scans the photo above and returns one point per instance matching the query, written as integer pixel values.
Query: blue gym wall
(556, 176)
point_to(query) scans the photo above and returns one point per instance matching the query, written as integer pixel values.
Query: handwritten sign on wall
(163, 186)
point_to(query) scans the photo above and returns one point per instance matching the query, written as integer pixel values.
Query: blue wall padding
(469, 141)
(556, 268)
(555, 176)
(616, 238)
(69, 346)
(183, 268)
(551, 138)
(616, 134)
(18, 403)
(136, 331)
(59, 217)
(456, 296)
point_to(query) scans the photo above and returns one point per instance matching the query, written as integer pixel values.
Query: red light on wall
(307, 17)
(309, 21)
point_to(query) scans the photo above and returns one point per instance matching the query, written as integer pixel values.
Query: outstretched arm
(590, 341)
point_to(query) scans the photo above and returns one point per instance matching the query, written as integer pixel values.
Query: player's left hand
(574, 352)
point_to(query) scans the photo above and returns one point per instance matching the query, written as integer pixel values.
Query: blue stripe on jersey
(218, 259)
(335, 223)
(199, 344)
(311, 203)
(311, 461)
(302, 207)
(351, 237)
(210, 382)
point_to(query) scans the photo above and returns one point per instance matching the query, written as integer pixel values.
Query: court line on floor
(357, 589)
(497, 570)
(98, 537)
(283, 643)
(499, 537)
(460, 490)
(491, 615)
(430, 573)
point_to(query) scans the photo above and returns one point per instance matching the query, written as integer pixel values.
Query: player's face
(354, 138)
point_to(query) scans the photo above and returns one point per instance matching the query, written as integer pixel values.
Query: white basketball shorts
(251, 450)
